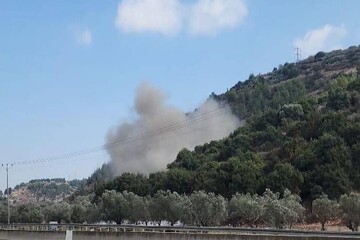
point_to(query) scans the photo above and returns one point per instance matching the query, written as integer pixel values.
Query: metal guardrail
(169, 229)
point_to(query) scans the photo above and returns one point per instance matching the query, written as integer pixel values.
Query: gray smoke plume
(160, 131)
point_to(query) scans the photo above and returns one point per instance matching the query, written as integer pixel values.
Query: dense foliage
(310, 146)
(325, 210)
(197, 209)
(51, 189)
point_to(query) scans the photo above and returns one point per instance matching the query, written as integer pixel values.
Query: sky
(69, 69)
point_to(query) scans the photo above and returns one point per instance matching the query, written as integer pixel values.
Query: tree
(333, 165)
(355, 151)
(325, 210)
(3, 213)
(92, 213)
(241, 173)
(29, 213)
(319, 55)
(355, 85)
(207, 209)
(280, 213)
(338, 99)
(185, 159)
(206, 178)
(134, 208)
(157, 181)
(166, 206)
(188, 216)
(156, 211)
(294, 211)
(251, 76)
(113, 206)
(136, 183)
(59, 212)
(350, 206)
(291, 111)
(145, 209)
(285, 176)
(326, 166)
(245, 209)
(82, 210)
(273, 209)
(179, 180)
(78, 212)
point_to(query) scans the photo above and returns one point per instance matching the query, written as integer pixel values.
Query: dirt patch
(333, 226)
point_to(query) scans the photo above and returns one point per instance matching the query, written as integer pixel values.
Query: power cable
(124, 141)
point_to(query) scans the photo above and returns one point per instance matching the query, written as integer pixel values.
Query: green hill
(44, 190)
(291, 81)
(302, 133)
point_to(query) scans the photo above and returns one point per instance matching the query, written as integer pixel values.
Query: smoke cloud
(160, 131)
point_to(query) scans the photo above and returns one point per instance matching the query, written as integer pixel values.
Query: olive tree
(325, 210)
(3, 213)
(294, 211)
(59, 212)
(29, 213)
(350, 206)
(273, 209)
(131, 212)
(113, 206)
(166, 205)
(282, 212)
(144, 207)
(207, 209)
(245, 209)
(78, 211)
(83, 211)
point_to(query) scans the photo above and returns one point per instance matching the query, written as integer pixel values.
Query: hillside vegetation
(302, 133)
(45, 190)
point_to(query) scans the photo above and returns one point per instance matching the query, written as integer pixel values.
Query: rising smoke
(160, 131)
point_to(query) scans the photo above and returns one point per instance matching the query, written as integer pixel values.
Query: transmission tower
(7, 166)
(297, 53)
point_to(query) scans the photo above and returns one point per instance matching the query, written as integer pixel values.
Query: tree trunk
(322, 226)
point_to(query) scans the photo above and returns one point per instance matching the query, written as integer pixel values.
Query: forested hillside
(297, 157)
(44, 190)
(290, 82)
(302, 133)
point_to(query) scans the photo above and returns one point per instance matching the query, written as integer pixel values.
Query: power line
(129, 140)
(153, 141)
(124, 141)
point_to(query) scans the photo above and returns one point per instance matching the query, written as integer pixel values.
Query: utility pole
(7, 166)
(297, 54)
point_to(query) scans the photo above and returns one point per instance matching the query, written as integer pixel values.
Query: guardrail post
(69, 235)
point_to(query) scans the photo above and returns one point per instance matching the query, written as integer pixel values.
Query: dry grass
(333, 226)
